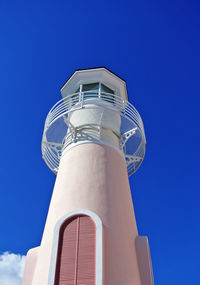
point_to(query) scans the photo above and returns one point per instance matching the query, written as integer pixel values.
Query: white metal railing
(52, 150)
(71, 102)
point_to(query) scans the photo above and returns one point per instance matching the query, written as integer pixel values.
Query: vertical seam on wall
(77, 247)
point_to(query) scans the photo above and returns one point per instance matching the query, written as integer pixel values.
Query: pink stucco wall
(31, 259)
(94, 177)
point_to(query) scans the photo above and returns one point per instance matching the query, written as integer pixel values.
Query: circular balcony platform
(59, 132)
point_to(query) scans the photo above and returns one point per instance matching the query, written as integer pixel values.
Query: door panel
(76, 259)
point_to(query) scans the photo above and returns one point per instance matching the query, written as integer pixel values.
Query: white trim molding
(99, 245)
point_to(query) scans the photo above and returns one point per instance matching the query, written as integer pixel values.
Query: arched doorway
(76, 258)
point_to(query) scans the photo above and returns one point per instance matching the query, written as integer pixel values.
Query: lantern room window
(107, 94)
(90, 87)
(93, 90)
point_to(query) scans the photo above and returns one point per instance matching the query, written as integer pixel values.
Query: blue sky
(154, 46)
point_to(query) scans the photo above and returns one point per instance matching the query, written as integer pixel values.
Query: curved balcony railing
(57, 126)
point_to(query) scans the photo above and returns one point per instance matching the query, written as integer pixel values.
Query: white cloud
(11, 268)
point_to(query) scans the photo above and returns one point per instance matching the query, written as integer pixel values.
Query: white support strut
(124, 137)
(132, 159)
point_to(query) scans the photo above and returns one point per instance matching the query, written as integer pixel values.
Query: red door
(76, 259)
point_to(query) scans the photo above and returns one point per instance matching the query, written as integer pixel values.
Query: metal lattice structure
(59, 133)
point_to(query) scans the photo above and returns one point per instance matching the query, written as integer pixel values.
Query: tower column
(93, 139)
(89, 179)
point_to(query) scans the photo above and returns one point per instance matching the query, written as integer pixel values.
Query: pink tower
(93, 139)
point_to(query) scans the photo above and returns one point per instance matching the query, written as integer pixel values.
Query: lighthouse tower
(93, 140)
